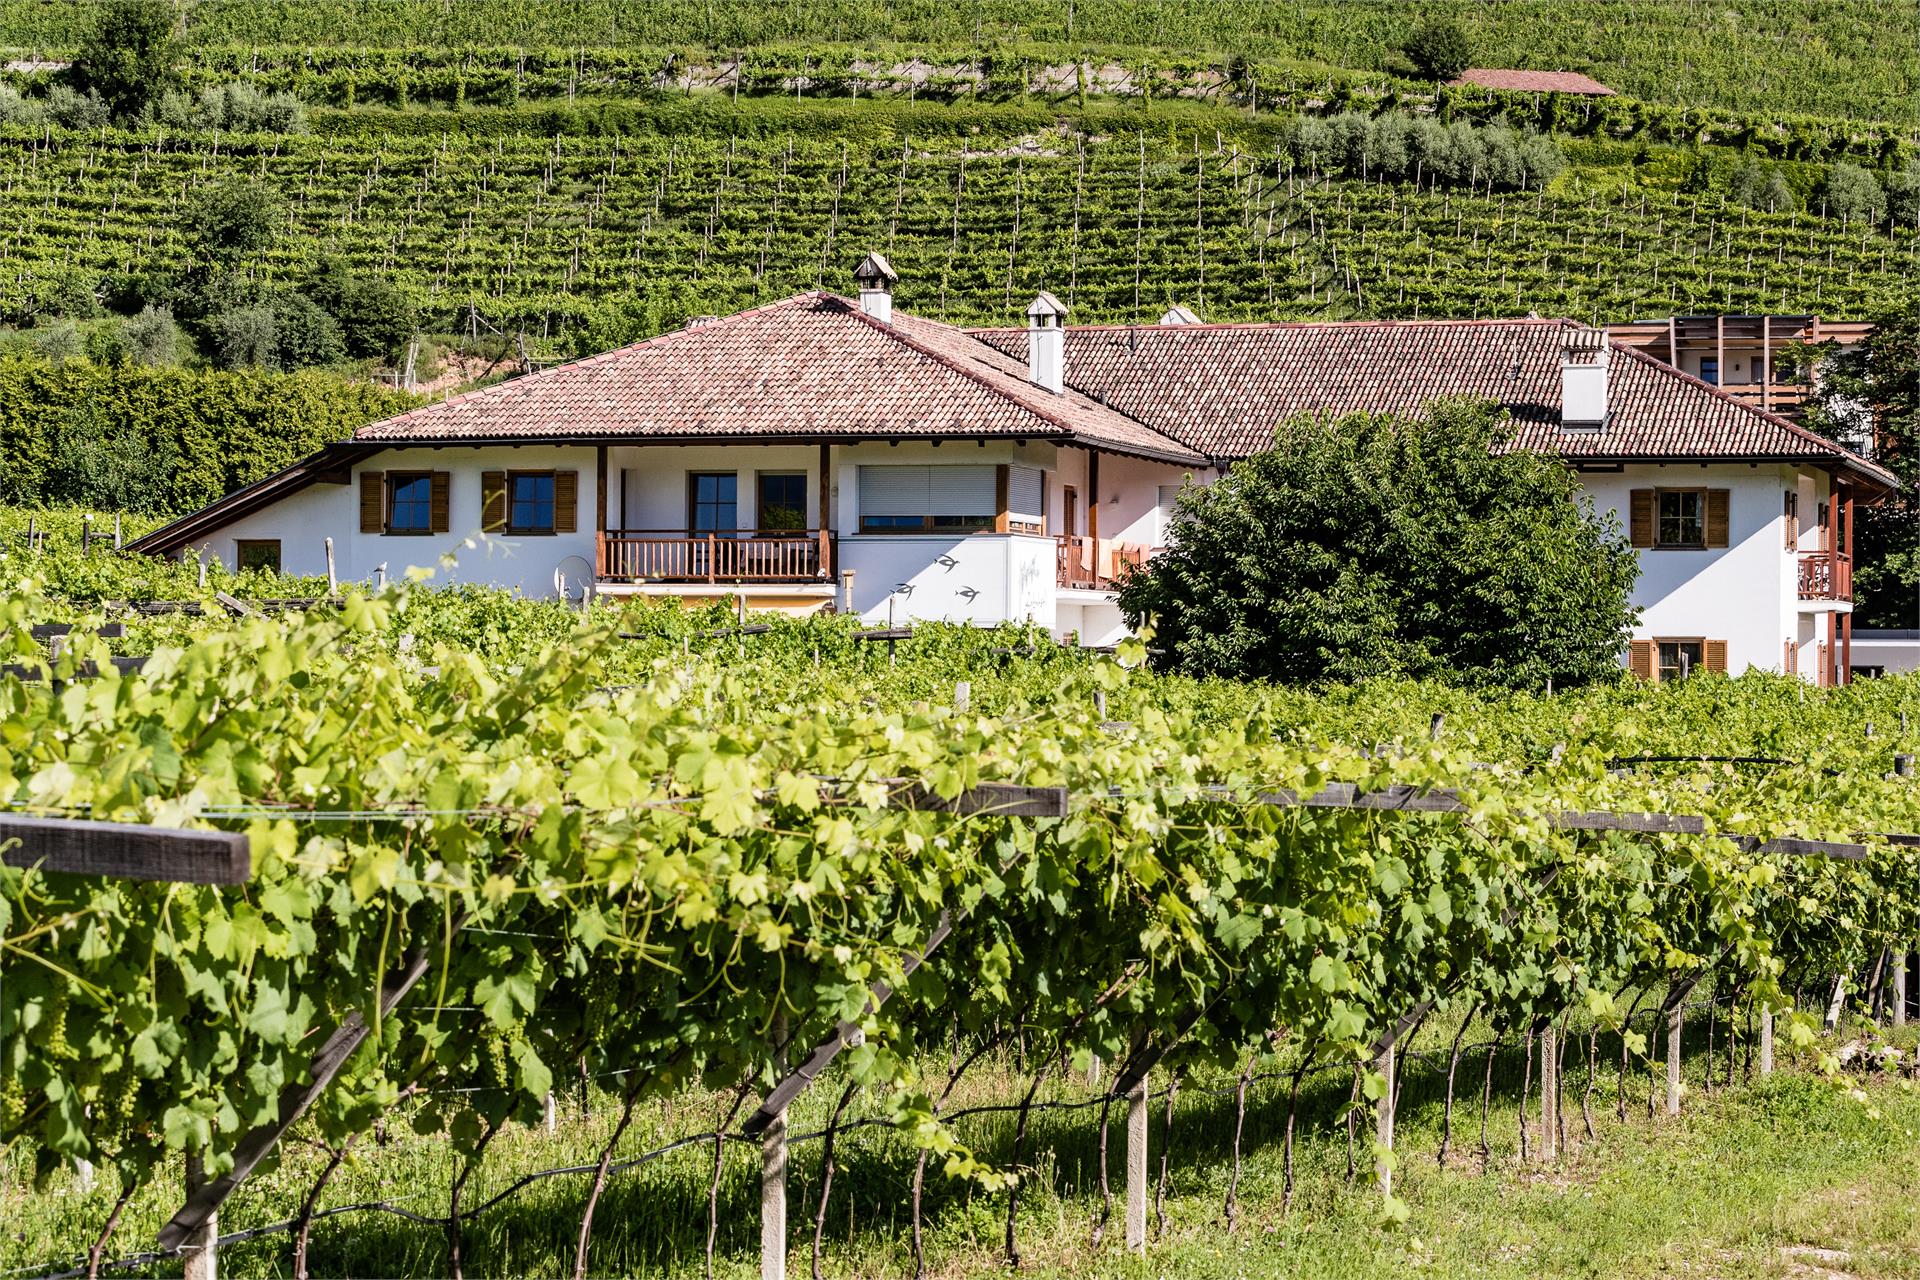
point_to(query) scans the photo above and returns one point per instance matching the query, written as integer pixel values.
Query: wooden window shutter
(566, 501)
(1717, 517)
(373, 502)
(442, 497)
(493, 501)
(1640, 659)
(1713, 656)
(1640, 517)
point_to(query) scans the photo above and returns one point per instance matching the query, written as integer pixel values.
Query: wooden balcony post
(1093, 495)
(712, 550)
(826, 515)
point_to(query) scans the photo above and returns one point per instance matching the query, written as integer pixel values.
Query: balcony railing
(1826, 575)
(1077, 562)
(674, 555)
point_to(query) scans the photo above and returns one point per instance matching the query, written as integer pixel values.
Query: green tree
(376, 317)
(1854, 195)
(1370, 546)
(1872, 394)
(1440, 50)
(127, 58)
(233, 219)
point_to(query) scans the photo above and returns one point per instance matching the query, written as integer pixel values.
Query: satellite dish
(572, 579)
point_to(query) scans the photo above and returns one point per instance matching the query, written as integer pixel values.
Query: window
(1710, 370)
(1026, 500)
(712, 502)
(951, 499)
(1680, 658)
(1166, 497)
(257, 553)
(1682, 518)
(783, 502)
(1792, 514)
(409, 502)
(530, 502)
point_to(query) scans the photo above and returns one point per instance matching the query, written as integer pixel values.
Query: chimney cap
(1045, 304)
(1584, 346)
(1179, 313)
(875, 268)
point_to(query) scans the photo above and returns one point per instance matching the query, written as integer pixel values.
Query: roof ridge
(1453, 323)
(1765, 415)
(515, 385)
(940, 357)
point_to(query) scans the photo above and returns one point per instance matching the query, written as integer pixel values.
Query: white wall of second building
(982, 578)
(304, 521)
(1745, 593)
(649, 487)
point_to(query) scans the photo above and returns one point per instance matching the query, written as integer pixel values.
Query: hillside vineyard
(587, 242)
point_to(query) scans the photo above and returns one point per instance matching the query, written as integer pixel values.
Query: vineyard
(586, 243)
(1851, 59)
(679, 877)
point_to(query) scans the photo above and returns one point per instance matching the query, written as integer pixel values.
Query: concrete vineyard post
(1137, 1166)
(1549, 1092)
(1383, 1123)
(1900, 986)
(773, 1181)
(962, 694)
(333, 582)
(1675, 1021)
(1766, 1042)
(199, 1254)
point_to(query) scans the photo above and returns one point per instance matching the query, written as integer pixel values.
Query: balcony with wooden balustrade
(717, 558)
(1826, 575)
(1077, 562)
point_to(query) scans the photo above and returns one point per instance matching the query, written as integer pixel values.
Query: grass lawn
(1786, 1177)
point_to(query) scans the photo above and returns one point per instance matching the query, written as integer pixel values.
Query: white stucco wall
(647, 487)
(991, 578)
(1746, 593)
(305, 520)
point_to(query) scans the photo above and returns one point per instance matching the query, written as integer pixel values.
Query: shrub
(1439, 50)
(127, 59)
(1370, 546)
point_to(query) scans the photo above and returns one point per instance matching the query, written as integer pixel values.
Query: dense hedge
(163, 440)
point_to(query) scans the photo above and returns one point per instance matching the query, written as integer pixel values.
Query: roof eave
(242, 502)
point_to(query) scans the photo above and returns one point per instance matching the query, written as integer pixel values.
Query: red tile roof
(812, 366)
(1532, 81)
(1222, 388)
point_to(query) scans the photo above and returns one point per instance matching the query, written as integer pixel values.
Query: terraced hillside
(588, 242)
(1847, 58)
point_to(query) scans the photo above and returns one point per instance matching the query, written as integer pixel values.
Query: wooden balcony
(1077, 562)
(748, 555)
(1826, 575)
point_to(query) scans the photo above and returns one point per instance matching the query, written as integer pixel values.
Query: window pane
(1680, 520)
(783, 502)
(532, 503)
(412, 507)
(1679, 658)
(260, 554)
(714, 507)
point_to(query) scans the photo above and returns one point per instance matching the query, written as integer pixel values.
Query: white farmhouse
(823, 452)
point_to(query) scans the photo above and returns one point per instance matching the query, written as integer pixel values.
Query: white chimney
(1047, 342)
(1179, 314)
(877, 278)
(1583, 380)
